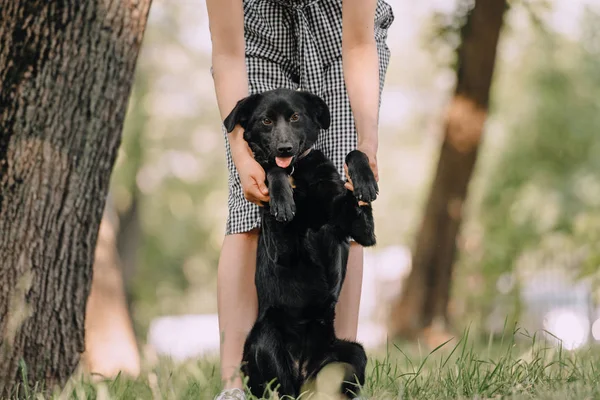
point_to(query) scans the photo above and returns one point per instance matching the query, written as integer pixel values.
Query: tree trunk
(66, 70)
(110, 343)
(424, 302)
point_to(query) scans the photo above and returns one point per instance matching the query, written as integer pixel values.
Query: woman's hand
(252, 178)
(252, 175)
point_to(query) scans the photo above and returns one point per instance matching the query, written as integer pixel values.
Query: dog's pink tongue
(283, 162)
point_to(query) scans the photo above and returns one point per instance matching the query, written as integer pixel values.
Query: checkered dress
(297, 44)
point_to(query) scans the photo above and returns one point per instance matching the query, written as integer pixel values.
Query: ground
(522, 366)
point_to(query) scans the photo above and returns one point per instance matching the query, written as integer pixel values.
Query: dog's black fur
(303, 245)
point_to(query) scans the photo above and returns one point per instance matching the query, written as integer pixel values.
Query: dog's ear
(242, 112)
(316, 106)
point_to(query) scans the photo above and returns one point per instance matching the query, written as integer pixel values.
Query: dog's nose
(284, 148)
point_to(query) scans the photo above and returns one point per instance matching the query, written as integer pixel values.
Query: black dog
(304, 242)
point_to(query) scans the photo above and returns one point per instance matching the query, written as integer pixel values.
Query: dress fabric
(297, 44)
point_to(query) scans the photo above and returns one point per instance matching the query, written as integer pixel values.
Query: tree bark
(66, 70)
(423, 304)
(110, 343)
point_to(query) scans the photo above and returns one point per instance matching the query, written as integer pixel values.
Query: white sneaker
(231, 394)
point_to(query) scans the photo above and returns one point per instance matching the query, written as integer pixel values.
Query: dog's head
(279, 125)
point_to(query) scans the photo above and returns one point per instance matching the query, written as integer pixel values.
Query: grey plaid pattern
(297, 44)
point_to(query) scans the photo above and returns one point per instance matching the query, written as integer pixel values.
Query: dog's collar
(300, 157)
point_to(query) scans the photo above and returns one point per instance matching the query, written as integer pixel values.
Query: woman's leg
(346, 317)
(237, 301)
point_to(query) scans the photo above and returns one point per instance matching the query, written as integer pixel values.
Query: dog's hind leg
(267, 362)
(346, 359)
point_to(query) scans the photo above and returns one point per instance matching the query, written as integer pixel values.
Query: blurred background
(527, 247)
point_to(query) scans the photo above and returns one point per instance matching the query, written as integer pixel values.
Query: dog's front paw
(362, 177)
(283, 210)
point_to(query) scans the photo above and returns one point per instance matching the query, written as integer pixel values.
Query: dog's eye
(267, 121)
(294, 118)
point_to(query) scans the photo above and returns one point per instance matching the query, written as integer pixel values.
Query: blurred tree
(423, 304)
(110, 344)
(66, 70)
(540, 209)
(128, 202)
(170, 179)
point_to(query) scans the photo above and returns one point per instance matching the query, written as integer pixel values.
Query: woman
(333, 48)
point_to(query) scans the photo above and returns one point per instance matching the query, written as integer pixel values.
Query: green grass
(518, 367)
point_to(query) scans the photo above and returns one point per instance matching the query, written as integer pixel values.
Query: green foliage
(172, 166)
(541, 202)
(443, 37)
